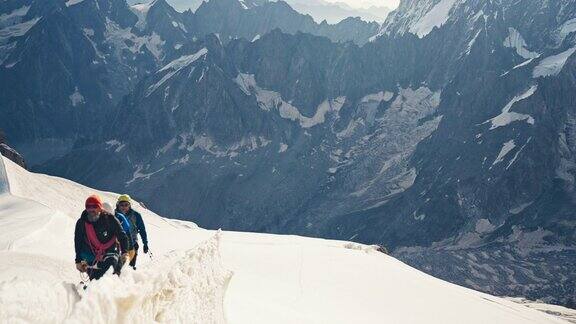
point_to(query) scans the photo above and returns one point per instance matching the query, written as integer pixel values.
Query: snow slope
(276, 279)
(435, 18)
(553, 65)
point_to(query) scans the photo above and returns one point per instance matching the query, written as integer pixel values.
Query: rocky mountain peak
(9, 152)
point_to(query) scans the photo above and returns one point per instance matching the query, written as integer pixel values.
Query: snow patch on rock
(552, 65)
(116, 145)
(207, 144)
(566, 28)
(138, 174)
(124, 39)
(73, 2)
(507, 117)
(292, 113)
(361, 247)
(13, 17)
(518, 153)
(12, 26)
(378, 97)
(521, 208)
(436, 17)
(506, 148)
(76, 98)
(175, 67)
(484, 226)
(516, 41)
(184, 61)
(528, 240)
(271, 100)
(141, 11)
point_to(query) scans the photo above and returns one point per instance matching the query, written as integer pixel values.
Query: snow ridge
(182, 287)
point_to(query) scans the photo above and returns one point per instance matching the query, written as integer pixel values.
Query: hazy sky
(392, 4)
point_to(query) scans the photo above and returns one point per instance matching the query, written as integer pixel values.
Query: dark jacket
(136, 226)
(105, 227)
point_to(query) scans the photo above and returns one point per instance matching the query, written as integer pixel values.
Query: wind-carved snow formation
(181, 287)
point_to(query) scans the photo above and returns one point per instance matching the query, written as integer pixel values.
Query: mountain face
(448, 136)
(495, 181)
(320, 10)
(338, 11)
(251, 19)
(69, 63)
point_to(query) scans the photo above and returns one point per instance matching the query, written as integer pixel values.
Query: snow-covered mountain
(449, 136)
(320, 10)
(335, 12)
(200, 276)
(69, 63)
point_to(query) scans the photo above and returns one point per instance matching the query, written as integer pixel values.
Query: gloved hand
(82, 266)
(124, 258)
(145, 248)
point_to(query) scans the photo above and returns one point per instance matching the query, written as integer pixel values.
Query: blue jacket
(126, 227)
(137, 226)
